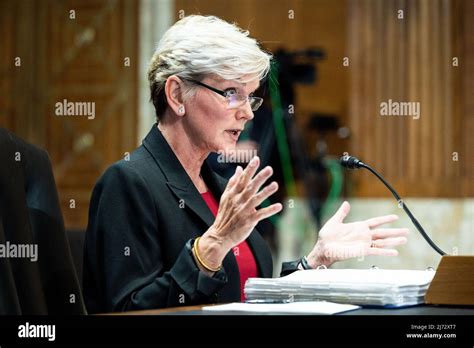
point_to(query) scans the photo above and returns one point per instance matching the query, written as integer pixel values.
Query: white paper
(313, 307)
(390, 288)
(398, 278)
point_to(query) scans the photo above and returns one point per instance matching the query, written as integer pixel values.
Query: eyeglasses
(234, 99)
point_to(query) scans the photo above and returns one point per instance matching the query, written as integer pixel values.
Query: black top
(144, 214)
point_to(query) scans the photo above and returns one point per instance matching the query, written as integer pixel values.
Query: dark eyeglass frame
(255, 102)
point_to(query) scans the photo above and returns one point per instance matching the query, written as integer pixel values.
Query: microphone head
(351, 162)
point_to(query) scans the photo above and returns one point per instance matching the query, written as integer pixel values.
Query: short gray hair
(197, 46)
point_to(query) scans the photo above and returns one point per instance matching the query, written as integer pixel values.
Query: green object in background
(280, 133)
(283, 148)
(335, 172)
(281, 139)
(245, 135)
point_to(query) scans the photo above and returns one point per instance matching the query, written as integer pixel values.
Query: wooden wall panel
(410, 59)
(79, 59)
(467, 124)
(6, 64)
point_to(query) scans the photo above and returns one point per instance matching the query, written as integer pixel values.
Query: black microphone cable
(351, 162)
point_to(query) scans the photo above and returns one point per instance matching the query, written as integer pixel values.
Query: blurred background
(337, 61)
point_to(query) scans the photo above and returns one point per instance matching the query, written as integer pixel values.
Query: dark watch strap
(304, 263)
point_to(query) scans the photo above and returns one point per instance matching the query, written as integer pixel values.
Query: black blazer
(144, 212)
(30, 214)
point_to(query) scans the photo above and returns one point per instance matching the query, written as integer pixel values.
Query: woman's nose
(245, 111)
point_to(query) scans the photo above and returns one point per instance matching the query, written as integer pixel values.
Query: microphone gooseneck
(351, 162)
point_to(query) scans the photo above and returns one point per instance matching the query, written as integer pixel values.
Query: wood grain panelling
(80, 60)
(467, 132)
(6, 63)
(403, 51)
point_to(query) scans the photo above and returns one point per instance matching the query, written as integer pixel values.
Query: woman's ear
(174, 95)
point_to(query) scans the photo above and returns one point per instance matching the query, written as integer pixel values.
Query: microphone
(351, 162)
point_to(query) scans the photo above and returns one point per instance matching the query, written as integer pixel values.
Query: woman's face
(212, 125)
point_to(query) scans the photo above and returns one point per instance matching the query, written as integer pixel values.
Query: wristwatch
(304, 263)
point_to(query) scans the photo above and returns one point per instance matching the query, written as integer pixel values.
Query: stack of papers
(287, 308)
(387, 288)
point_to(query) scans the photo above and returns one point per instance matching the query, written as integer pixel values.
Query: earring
(181, 109)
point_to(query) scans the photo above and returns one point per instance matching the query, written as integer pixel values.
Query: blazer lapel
(190, 197)
(177, 179)
(181, 185)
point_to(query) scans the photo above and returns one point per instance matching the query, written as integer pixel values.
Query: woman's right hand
(238, 214)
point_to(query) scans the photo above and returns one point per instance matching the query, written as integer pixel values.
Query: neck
(189, 154)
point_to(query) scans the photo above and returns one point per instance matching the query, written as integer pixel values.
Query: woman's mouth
(234, 133)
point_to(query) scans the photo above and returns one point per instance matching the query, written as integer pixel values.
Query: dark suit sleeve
(123, 267)
(289, 267)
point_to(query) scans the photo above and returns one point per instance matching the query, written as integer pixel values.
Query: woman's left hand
(339, 241)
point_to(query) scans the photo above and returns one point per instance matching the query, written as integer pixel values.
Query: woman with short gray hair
(164, 229)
